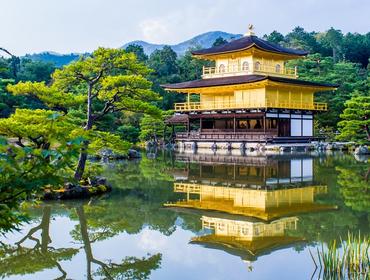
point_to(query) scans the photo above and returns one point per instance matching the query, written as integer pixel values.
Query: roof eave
(205, 55)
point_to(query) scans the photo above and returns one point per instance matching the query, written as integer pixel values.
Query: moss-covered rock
(84, 189)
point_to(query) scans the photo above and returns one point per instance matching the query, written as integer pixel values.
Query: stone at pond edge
(133, 154)
(106, 154)
(362, 150)
(98, 186)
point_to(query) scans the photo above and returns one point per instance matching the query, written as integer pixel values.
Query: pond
(179, 216)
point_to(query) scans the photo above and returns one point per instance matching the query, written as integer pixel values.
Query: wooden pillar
(264, 125)
(234, 123)
(188, 126)
(188, 100)
(164, 134)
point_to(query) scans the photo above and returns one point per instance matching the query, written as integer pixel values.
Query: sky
(65, 26)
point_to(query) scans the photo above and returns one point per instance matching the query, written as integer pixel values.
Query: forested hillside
(334, 57)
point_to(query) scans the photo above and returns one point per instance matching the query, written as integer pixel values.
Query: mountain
(53, 57)
(204, 40)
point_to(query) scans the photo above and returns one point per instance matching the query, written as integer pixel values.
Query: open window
(245, 66)
(257, 66)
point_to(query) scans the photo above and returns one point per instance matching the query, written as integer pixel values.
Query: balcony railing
(198, 106)
(235, 70)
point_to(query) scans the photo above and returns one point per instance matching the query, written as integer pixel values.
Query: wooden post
(188, 100)
(188, 127)
(164, 134)
(234, 124)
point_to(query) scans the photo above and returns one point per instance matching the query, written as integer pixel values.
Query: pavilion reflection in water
(249, 203)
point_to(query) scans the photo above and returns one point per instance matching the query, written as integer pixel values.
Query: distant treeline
(334, 57)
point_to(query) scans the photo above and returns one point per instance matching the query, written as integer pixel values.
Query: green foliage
(275, 37)
(39, 128)
(25, 171)
(352, 47)
(138, 51)
(21, 261)
(349, 77)
(153, 128)
(49, 95)
(355, 125)
(109, 81)
(105, 140)
(350, 263)
(9, 102)
(129, 133)
(332, 39)
(219, 42)
(164, 63)
(131, 268)
(300, 39)
(35, 71)
(191, 68)
(355, 187)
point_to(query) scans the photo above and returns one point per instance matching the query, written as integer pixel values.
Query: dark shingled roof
(242, 79)
(183, 118)
(247, 42)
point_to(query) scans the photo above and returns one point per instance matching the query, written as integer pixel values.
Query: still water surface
(196, 217)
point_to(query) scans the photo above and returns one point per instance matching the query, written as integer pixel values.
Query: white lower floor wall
(307, 127)
(301, 127)
(236, 147)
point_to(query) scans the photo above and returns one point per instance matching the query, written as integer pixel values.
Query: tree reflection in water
(128, 268)
(18, 259)
(248, 207)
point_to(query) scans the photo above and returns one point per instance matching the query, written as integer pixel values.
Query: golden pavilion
(248, 239)
(251, 207)
(249, 96)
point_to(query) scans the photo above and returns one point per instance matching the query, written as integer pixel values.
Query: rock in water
(133, 154)
(362, 150)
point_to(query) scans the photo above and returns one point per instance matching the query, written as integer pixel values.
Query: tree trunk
(45, 224)
(81, 161)
(89, 122)
(334, 55)
(89, 118)
(367, 129)
(85, 238)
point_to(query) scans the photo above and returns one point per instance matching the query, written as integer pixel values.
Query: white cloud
(154, 30)
(78, 26)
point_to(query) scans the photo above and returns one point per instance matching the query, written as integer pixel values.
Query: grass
(350, 262)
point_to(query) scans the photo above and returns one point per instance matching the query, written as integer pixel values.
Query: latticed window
(245, 231)
(277, 68)
(221, 68)
(257, 66)
(221, 226)
(245, 66)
